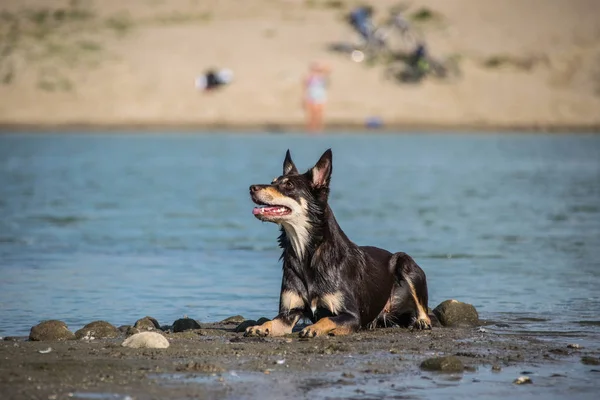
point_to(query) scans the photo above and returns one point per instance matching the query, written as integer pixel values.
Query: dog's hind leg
(412, 291)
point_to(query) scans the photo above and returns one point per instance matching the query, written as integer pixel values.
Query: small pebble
(574, 346)
(522, 380)
(46, 351)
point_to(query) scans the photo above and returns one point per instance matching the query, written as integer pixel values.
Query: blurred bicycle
(400, 47)
(393, 37)
(420, 64)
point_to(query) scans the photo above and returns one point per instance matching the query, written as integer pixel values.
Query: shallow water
(569, 380)
(117, 227)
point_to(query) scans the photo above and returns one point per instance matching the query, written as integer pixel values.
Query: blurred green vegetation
(524, 63)
(52, 41)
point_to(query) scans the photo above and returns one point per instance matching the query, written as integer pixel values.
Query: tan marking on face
(291, 300)
(334, 302)
(325, 326)
(421, 312)
(270, 193)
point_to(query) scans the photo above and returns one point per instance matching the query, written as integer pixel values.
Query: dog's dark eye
(288, 185)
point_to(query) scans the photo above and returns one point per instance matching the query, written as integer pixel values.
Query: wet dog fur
(339, 286)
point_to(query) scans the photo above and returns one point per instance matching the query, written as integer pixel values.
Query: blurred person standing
(315, 95)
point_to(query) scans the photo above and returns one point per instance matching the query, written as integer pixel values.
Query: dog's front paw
(265, 329)
(421, 324)
(310, 332)
(325, 326)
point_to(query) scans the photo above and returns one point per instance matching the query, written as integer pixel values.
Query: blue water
(120, 226)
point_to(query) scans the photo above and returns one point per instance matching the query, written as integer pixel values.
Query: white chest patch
(297, 229)
(334, 302)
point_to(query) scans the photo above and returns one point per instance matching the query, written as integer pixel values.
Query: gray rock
(185, 324)
(128, 330)
(587, 360)
(435, 323)
(97, 330)
(51, 330)
(132, 330)
(456, 313)
(236, 319)
(242, 327)
(443, 364)
(147, 324)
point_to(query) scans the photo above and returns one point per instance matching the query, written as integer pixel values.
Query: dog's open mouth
(270, 211)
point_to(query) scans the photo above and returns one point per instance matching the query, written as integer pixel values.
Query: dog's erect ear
(321, 172)
(288, 165)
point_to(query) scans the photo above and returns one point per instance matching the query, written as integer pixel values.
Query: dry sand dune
(526, 64)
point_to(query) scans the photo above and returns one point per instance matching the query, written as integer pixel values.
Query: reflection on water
(116, 227)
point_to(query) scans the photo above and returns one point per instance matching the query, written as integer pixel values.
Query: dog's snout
(254, 188)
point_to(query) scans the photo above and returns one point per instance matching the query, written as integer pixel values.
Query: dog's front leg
(342, 324)
(291, 308)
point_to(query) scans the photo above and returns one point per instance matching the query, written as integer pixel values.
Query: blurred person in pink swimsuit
(315, 95)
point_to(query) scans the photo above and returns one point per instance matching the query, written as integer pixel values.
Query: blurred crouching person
(214, 79)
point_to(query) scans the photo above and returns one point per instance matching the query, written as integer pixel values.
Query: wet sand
(216, 362)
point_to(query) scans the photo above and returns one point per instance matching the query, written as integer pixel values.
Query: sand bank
(112, 64)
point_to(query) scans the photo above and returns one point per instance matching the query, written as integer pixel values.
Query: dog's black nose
(254, 188)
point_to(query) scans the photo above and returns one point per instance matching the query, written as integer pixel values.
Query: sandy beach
(103, 64)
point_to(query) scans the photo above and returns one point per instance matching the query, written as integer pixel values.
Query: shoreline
(215, 362)
(267, 127)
